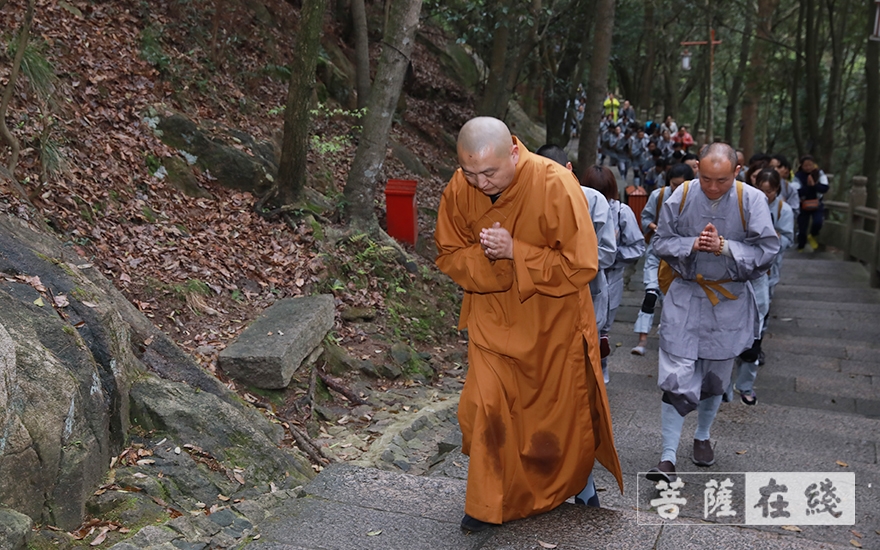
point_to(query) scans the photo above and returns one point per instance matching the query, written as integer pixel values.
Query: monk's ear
(568, 165)
(514, 152)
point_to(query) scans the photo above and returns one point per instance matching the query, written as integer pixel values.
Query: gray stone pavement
(818, 411)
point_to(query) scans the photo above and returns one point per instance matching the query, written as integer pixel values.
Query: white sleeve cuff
(725, 249)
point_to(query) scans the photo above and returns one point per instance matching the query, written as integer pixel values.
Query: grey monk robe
(691, 326)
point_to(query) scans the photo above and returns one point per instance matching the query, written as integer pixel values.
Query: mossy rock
(338, 361)
(180, 176)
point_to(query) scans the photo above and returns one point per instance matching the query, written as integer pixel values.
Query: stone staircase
(818, 411)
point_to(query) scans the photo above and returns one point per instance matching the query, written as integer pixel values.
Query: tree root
(306, 445)
(337, 386)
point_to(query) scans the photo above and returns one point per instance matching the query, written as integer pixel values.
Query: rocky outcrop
(229, 433)
(79, 363)
(533, 135)
(15, 529)
(219, 151)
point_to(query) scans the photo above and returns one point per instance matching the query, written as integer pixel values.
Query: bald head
(718, 168)
(487, 154)
(719, 152)
(484, 135)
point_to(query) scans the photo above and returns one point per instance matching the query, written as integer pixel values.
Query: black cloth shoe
(665, 471)
(604, 347)
(761, 359)
(593, 501)
(703, 453)
(473, 525)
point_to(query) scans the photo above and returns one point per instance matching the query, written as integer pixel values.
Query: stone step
(346, 503)
(273, 346)
(349, 507)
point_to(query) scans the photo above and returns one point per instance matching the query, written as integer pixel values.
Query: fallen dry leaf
(856, 533)
(742, 452)
(101, 537)
(374, 533)
(61, 301)
(223, 497)
(547, 544)
(793, 528)
(39, 302)
(855, 543)
(842, 464)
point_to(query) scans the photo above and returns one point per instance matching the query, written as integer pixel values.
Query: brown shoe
(665, 471)
(703, 453)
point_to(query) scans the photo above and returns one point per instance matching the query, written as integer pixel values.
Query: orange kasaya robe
(533, 412)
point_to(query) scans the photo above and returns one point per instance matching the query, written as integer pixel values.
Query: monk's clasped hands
(496, 242)
(709, 240)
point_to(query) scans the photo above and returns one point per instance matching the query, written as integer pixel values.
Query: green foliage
(280, 72)
(39, 71)
(152, 162)
(417, 306)
(328, 145)
(331, 338)
(148, 214)
(334, 144)
(52, 157)
(152, 51)
(191, 287)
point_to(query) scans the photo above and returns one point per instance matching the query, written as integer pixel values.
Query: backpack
(665, 273)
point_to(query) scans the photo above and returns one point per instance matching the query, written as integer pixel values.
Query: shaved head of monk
(487, 154)
(718, 168)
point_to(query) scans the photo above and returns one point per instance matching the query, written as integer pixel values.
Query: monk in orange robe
(514, 231)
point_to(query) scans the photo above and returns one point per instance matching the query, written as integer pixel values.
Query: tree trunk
(491, 104)
(361, 51)
(871, 163)
(624, 79)
(512, 68)
(736, 87)
(23, 37)
(360, 188)
(796, 130)
(812, 59)
(295, 145)
(558, 87)
(756, 75)
(647, 79)
(215, 31)
(597, 85)
(837, 29)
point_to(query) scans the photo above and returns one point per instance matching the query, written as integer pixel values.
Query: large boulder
(219, 151)
(336, 74)
(72, 347)
(15, 529)
(532, 134)
(459, 60)
(231, 434)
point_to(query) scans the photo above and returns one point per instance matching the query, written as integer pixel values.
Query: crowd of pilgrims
(660, 158)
